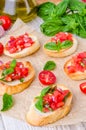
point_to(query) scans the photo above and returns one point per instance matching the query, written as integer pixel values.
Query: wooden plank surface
(8, 123)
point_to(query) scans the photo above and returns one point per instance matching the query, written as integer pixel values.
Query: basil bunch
(68, 15)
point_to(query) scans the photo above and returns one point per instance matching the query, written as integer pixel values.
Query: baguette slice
(37, 118)
(16, 86)
(63, 52)
(25, 52)
(76, 75)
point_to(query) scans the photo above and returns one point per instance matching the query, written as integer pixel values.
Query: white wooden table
(8, 123)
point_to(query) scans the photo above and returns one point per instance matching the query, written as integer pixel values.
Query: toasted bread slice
(16, 86)
(76, 75)
(37, 118)
(26, 51)
(63, 52)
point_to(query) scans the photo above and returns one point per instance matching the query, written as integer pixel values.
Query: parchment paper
(23, 100)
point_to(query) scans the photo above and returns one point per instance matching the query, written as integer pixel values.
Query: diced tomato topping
(54, 99)
(62, 36)
(1, 48)
(16, 44)
(19, 71)
(78, 63)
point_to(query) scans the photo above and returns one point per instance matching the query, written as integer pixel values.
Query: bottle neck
(9, 7)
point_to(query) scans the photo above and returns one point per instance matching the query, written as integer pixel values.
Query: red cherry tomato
(1, 49)
(83, 0)
(5, 21)
(83, 87)
(47, 77)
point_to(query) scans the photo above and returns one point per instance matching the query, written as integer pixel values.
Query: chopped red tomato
(19, 71)
(78, 63)
(1, 49)
(83, 87)
(54, 99)
(62, 36)
(16, 44)
(47, 77)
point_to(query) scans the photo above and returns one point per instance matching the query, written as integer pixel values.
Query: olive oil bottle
(23, 9)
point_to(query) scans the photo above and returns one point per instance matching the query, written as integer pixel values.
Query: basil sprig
(9, 70)
(58, 46)
(39, 103)
(7, 102)
(50, 65)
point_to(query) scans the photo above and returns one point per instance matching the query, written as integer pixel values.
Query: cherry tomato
(5, 21)
(83, 87)
(47, 77)
(1, 49)
(83, 0)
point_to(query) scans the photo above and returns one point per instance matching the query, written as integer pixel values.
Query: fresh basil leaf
(7, 71)
(51, 46)
(22, 80)
(44, 91)
(7, 102)
(50, 65)
(62, 7)
(39, 104)
(13, 64)
(45, 10)
(66, 44)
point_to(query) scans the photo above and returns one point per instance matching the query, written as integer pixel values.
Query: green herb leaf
(39, 104)
(22, 80)
(7, 102)
(51, 27)
(45, 10)
(7, 71)
(50, 65)
(51, 46)
(61, 7)
(44, 91)
(13, 64)
(66, 44)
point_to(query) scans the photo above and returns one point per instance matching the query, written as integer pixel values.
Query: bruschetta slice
(21, 46)
(61, 45)
(15, 76)
(52, 104)
(75, 67)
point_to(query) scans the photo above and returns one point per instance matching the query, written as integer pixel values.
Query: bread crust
(25, 52)
(75, 76)
(17, 86)
(64, 52)
(36, 118)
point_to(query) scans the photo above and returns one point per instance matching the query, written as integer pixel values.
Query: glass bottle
(24, 9)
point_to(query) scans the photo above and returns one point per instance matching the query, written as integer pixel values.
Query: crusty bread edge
(75, 76)
(6, 88)
(25, 52)
(62, 53)
(38, 119)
